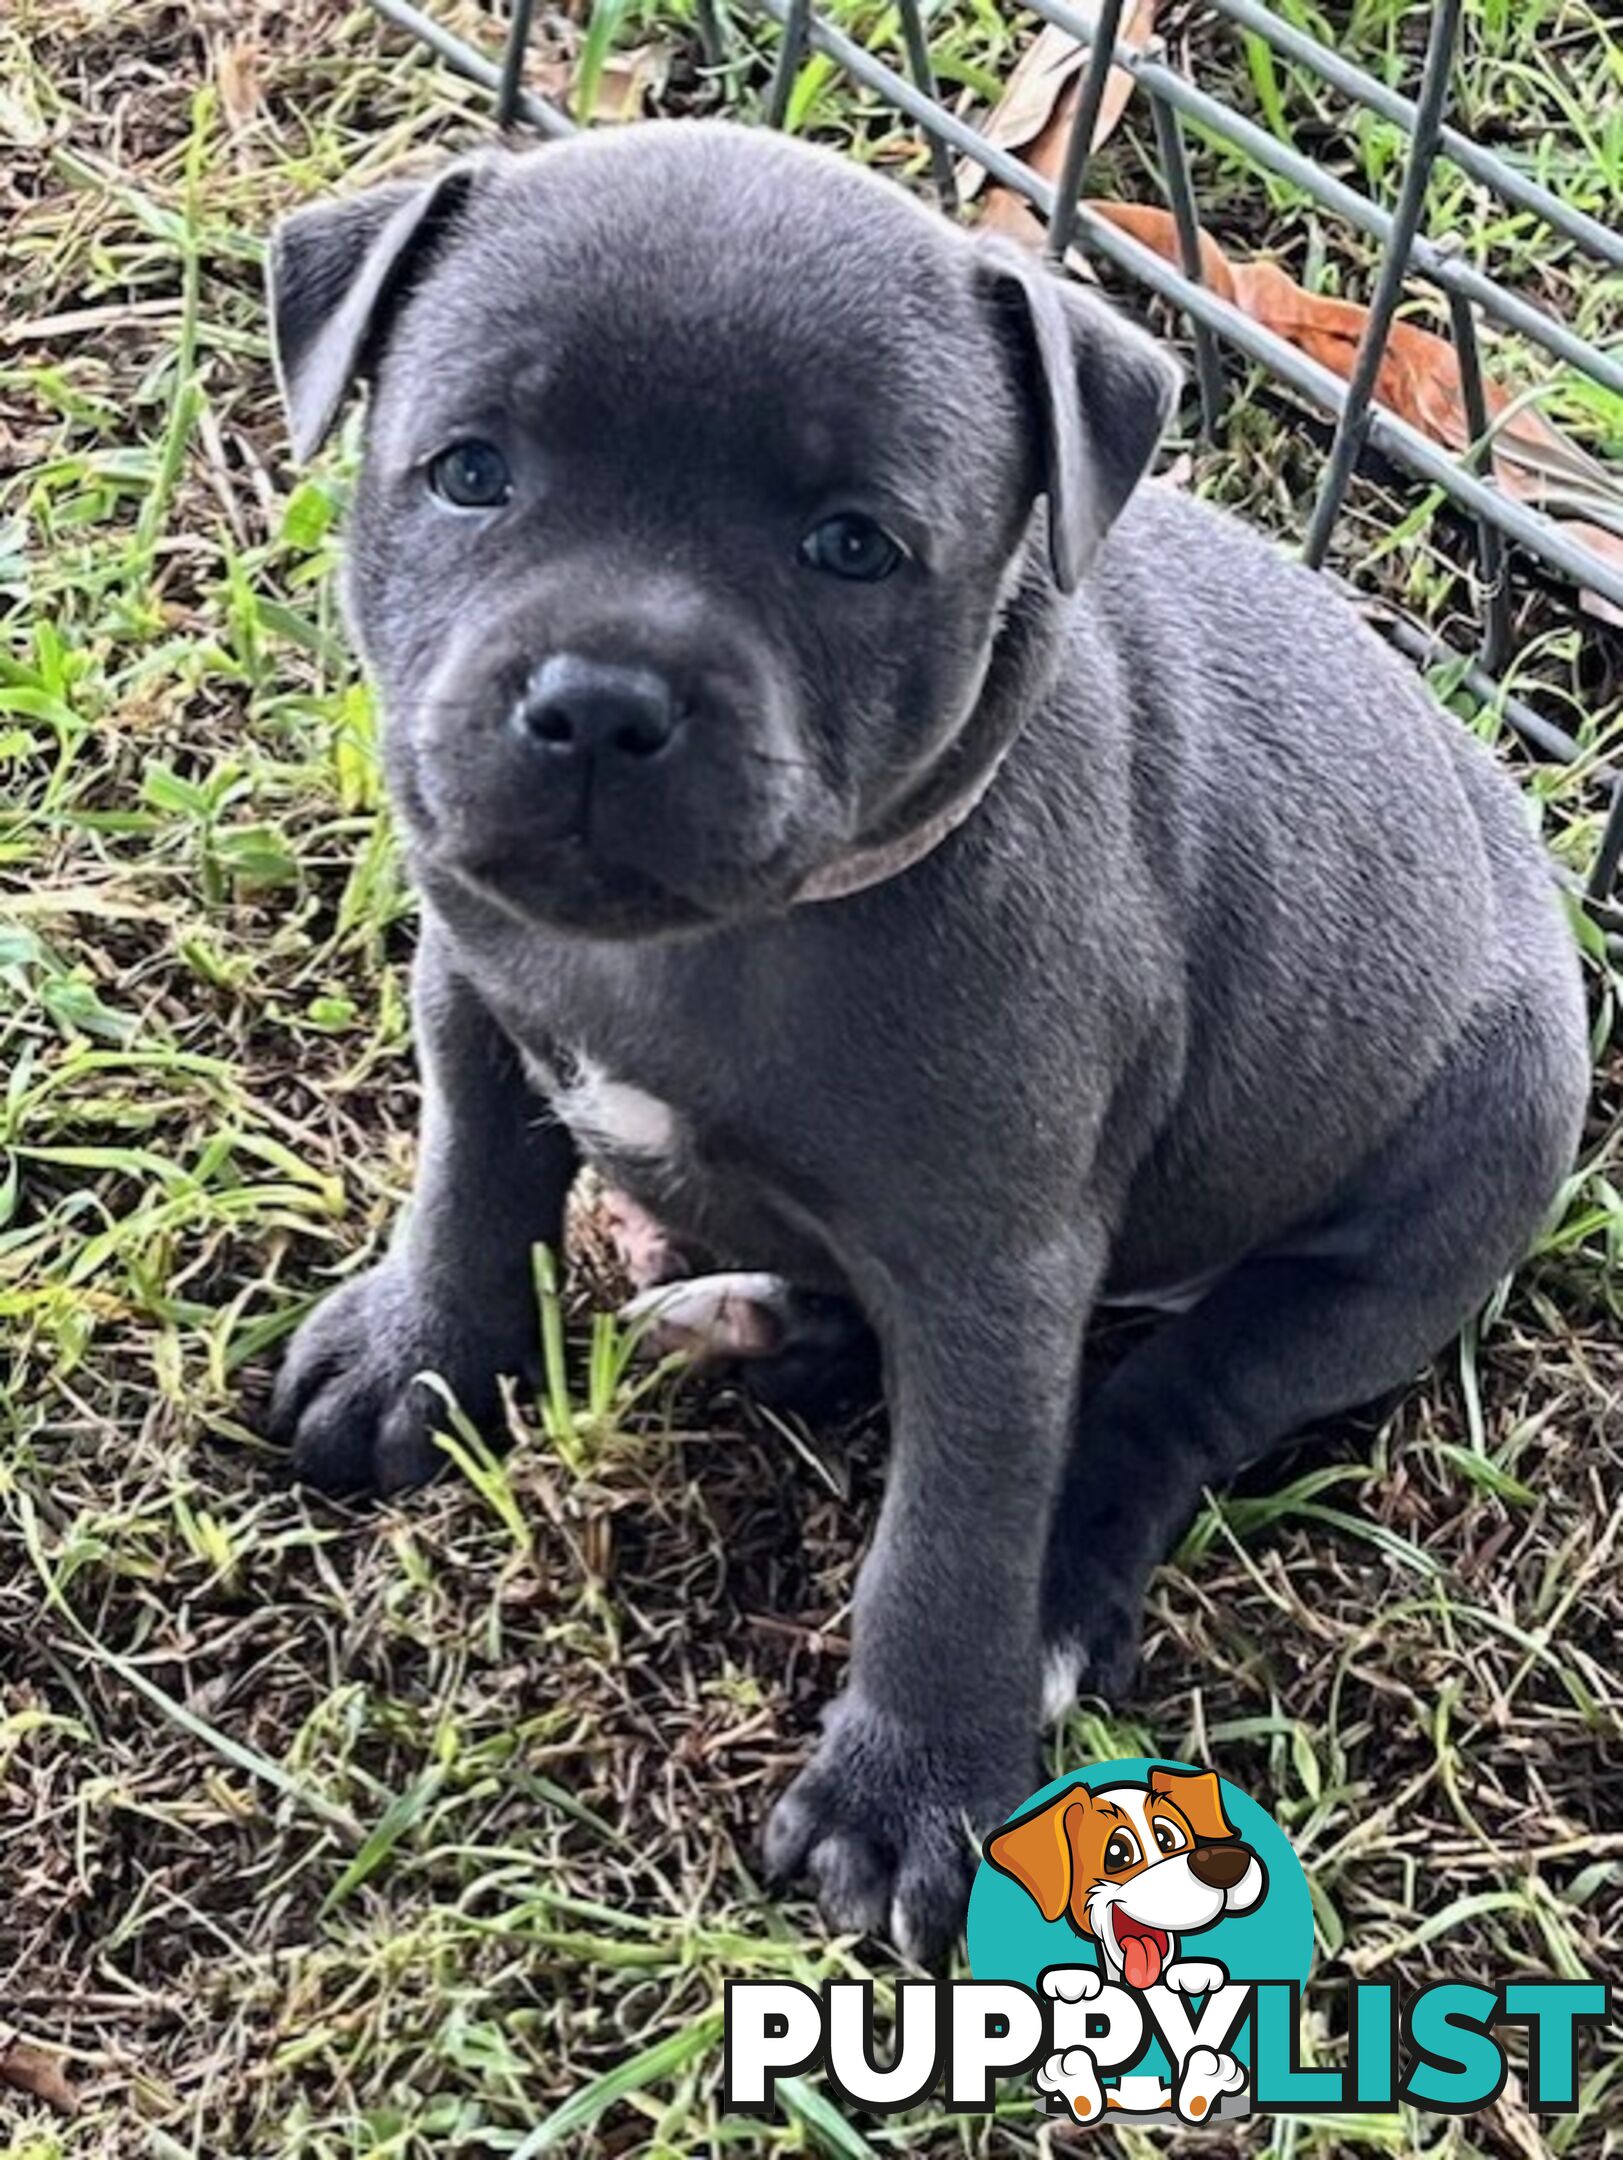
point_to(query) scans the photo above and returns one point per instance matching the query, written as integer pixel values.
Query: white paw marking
(1205, 2078)
(713, 1316)
(1195, 1976)
(1178, 1297)
(1062, 1675)
(1074, 2075)
(1072, 1983)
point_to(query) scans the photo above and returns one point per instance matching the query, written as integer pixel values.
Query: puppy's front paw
(1089, 1648)
(882, 1822)
(350, 1399)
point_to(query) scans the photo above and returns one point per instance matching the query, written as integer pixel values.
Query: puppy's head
(1133, 1867)
(697, 490)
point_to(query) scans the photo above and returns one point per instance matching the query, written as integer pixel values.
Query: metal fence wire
(1360, 421)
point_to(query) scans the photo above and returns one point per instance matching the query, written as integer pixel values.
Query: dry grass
(428, 1829)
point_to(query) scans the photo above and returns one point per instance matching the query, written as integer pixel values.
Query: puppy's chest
(711, 1187)
(615, 1123)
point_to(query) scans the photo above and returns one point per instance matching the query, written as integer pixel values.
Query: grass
(428, 1829)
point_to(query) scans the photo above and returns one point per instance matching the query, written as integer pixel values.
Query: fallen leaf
(624, 82)
(1038, 105)
(1419, 379)
(38, 2073)
(1600, 540)
(1009, 213)
(1152, 228)
(236, 71)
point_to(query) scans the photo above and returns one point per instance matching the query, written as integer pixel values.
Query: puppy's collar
(882, 860)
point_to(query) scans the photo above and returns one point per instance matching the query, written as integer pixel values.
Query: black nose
(1219, 1867)
(591, 708)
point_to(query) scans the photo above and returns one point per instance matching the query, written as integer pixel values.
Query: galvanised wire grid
(1359, 420)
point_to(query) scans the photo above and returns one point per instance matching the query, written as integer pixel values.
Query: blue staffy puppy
(917, 862)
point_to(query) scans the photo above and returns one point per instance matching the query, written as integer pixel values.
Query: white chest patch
(607, 1116)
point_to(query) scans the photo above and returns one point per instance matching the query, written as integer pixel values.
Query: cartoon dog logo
(1136, 1869)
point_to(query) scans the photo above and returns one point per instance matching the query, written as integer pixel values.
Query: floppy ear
(1198, 1797)
(336, 272)
(1103, 392)
(1037, 1853)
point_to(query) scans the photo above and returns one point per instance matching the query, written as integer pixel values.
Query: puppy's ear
(1198, 1797)
(1038, 1852)
(335, 274)
(1101, 390)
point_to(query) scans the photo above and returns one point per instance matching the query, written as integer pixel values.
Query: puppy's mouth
(573, 889)
(543, 863)
(572, 883)
(1143, 1948)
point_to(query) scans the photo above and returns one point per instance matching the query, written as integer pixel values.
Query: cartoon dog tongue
(1140, 1956)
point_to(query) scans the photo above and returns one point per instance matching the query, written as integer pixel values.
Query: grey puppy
(915, 861)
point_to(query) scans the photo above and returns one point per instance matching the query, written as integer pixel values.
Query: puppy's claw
(791, 1829)
(932, 1892)
(405, 1452)
(852, 1882)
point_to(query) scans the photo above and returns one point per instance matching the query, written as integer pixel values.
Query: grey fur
(1248, 964)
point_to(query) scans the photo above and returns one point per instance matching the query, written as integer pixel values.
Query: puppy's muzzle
(593, 712)
(1219, 1867)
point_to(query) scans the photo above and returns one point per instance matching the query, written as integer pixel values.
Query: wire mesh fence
(1510, 533)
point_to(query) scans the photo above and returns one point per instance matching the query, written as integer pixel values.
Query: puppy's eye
(852, 546)
(1121, 1852)
(1168, 1836)
(471, 476)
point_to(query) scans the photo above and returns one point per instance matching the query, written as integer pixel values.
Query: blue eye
(852, 546)
(471, 476)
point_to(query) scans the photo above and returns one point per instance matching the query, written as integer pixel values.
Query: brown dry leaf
(1038, 105)
(623, 86)
(1419, 379)
(38, 2073)
(1155, 229)
(236, 72)
(1009, 213)
(627, 79)
(1600, 540)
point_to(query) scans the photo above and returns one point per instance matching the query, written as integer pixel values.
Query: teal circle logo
(1143, 1899)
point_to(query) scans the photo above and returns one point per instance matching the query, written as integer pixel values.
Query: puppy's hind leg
(1352, 1306)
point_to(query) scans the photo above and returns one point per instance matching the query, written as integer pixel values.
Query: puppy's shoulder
(1218, 610)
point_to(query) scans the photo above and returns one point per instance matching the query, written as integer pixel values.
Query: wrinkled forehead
(711, 310)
